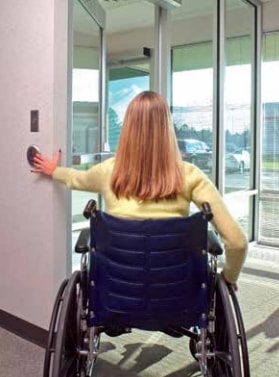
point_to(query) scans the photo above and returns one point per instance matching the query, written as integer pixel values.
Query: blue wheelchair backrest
(148, 274)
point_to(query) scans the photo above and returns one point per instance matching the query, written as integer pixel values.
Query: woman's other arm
(233, 238)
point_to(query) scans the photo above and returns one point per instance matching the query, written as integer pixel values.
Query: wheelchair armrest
(214, 243)
(82, 244)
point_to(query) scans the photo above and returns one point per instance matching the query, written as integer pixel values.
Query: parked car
(91, 158)
(196, 152)
(102, 156)
(231, 163)
(238, 160)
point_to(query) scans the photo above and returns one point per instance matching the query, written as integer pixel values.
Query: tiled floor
(149, 354)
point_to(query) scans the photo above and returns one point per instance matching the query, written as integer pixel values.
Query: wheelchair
(153, 275)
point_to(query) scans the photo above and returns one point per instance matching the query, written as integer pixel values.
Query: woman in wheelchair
(147, 180)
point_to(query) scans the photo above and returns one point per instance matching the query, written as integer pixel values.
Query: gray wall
(33, 211)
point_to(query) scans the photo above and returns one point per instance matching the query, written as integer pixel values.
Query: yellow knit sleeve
(233, 238)
(92, 180)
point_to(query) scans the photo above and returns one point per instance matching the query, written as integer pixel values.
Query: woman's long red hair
(148, 165)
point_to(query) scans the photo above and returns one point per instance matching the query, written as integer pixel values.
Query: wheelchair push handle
(207, 211)
(90, 208)
(214, 243)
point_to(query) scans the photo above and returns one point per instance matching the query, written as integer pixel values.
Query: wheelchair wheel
(244, 356)
(66, 359)
(52, 330)
(193, 343)
(225, 342)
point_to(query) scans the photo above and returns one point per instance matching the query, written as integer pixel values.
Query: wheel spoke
(71, 341)
(224, 357)
(68, 369)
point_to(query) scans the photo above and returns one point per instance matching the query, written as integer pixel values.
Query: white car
(239, 160)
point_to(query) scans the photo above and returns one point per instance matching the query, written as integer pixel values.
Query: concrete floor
(149, 354)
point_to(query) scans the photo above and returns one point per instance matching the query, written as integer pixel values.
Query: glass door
(217, 131)
(88, 105)
(192, 85)
(269, 173)
(239, 111)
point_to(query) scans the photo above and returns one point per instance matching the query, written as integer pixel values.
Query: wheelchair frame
(220, 348)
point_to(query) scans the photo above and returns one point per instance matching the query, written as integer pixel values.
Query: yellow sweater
(198, 189)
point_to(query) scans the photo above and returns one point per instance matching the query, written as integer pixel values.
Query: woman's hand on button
(46, 165)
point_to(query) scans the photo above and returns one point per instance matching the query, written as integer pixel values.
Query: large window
(129, 61)
(215, 129)
(192, 109)
(192, 102)
(238, 111)
(86, 107)
(212, 101)
(269, 175)
(86, 101)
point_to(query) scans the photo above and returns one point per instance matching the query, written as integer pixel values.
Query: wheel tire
(241, 334)
(66, 360)
(193, 344)
(52, 329)
(225, 343)
(193, 348)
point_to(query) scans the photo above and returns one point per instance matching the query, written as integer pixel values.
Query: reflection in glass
(192, 102)
(192, 82)
(85, 97)
(128, 51)
(122, 89)
(237, 95)
(85, 109)
(269, 174)
(239, 44)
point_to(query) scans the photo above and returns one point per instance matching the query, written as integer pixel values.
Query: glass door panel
(87, 105)
(238, 112)
(129, 54)
(130, 45)
(192, 85)
(269, 174)
(86, 101)
(124, 84)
